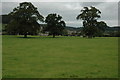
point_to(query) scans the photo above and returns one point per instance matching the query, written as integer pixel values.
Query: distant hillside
(116, 28)
(73, 28)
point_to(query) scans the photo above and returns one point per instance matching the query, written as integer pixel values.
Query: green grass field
(61, 57)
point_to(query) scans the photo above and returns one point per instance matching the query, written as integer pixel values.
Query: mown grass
(61, 57)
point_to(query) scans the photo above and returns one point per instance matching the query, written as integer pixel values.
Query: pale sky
(69, 9)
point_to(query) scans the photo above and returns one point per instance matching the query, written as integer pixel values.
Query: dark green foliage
(5, 19)
(113, 34)
(101, 27)
(55, 24)
(90, 24)
(24, 20)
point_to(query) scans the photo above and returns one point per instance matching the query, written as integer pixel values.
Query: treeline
(23, 20)
(70, 30)
(109, 31)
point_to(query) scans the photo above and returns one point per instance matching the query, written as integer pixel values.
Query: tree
(101, 26)
(89, 15)
(5, 19)
(55, 24)
(24, 20)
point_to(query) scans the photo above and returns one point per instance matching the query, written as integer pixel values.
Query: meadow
(60, 57)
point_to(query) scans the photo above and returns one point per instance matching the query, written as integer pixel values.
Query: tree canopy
(55, 24)
(24, 20)
(101, 27)
(90, 15)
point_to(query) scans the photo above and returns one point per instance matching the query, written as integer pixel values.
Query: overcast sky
(70, 9)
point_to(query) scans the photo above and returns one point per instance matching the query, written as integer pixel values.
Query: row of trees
(24, 21)
(25, 18)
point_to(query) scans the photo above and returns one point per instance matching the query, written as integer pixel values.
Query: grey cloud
(83, 4)
(7, 7)
(109, 10)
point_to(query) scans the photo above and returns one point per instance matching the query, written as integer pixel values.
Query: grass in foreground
(63, 57)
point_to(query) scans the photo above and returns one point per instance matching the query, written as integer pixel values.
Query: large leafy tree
(55, 24)
(24, 20)
(90, 15)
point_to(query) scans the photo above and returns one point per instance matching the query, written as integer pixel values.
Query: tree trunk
(53, 35)
(25, 35)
